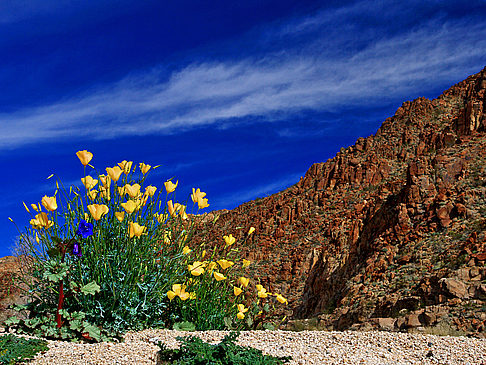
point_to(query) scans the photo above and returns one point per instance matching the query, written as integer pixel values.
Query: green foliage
(194, 351)
(14, 349)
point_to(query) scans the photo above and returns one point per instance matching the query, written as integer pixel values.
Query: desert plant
(14, 349)
(194, 351)
(119, 258)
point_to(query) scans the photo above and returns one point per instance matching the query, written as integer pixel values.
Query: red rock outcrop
(371, 233)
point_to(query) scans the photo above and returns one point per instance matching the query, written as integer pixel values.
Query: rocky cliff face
(391, 232)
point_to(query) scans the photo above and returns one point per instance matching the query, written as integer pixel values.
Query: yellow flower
(25, 206)
(105, 180)
(184, 295)
(203, 253)
(260, 287)
(197, 194)
(246, 263)
(35, 207)
(240, 315)
(132, 190)
(49, 202)
(161, 217)
(229, 240)
(181, 209)
(89, 182)
(203, 203)
(41, 221)
(211, 266)
(170, 186)
(262, 292)
(244, 281)
(281, 299)
(84, 156)
(37, 238)
(241, 308)
(120, 215)
(135, 229)
(129, 206)
(92, 194)
(186, 250)
(126, 166)
(167, 237)
(225, 264)
(197, 268)
(192, 296)
(171, 295)
(219, 276)
(150, 190)
(237, 291)
(114, 172)
(144, 167)
(170, 207)
(97, 210)
(251, 230)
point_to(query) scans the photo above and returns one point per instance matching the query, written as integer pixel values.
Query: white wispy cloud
(314, 76)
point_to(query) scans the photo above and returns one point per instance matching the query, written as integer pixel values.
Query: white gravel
(306, 347)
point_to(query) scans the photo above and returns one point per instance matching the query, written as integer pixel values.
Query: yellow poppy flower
(240, 315)
(170, 186)
(184, 295)
(41, 221)
(202, 203)
(129, 206)
(167, 237)
(114, 173)
(97, 211)
(35, 207)
(197, 194)
(246, 263)
(229, 240)
(37, 238)
(241, 308)
(120, 215)
(259, 287)
(237, 291)
(88, 182)
(251, 230)
(150, 190)
(144, 167)
(135, 229)
(219, 276)
(197, 268)
(186, 250)
(170, 207)
(105, 180)
(281, 299)
(84, 156)
(225, 264)
(244, 281)
(49, 202)
(92, 194)
(132, 190)
(126, 166)
(171, 295)
(211, 266)
(181, 209)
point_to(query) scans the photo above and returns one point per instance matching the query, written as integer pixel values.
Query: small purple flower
(85, 229)
(77, 249)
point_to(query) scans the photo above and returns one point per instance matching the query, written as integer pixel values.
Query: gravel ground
(306, 347)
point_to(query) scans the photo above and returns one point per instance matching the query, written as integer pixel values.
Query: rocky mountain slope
(389, 233)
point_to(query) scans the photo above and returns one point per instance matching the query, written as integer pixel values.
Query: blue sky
(237, 98)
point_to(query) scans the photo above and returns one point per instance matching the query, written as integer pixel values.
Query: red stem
(61, 302)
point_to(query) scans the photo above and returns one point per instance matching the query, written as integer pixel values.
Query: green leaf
(266, 307)
(76, 325)
(90, 288)
(268, 326)
(93, 331)
(56, 239)
(184, 326)
(78, 316)
(11, 321)
(53, 252)
(249, 321)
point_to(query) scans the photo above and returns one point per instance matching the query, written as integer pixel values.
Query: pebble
(305, 347)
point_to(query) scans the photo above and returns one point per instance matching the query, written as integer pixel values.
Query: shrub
(194, 351)
(116, 256)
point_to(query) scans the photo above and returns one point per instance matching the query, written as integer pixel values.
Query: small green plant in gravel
(194, 351)
(14, 349)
